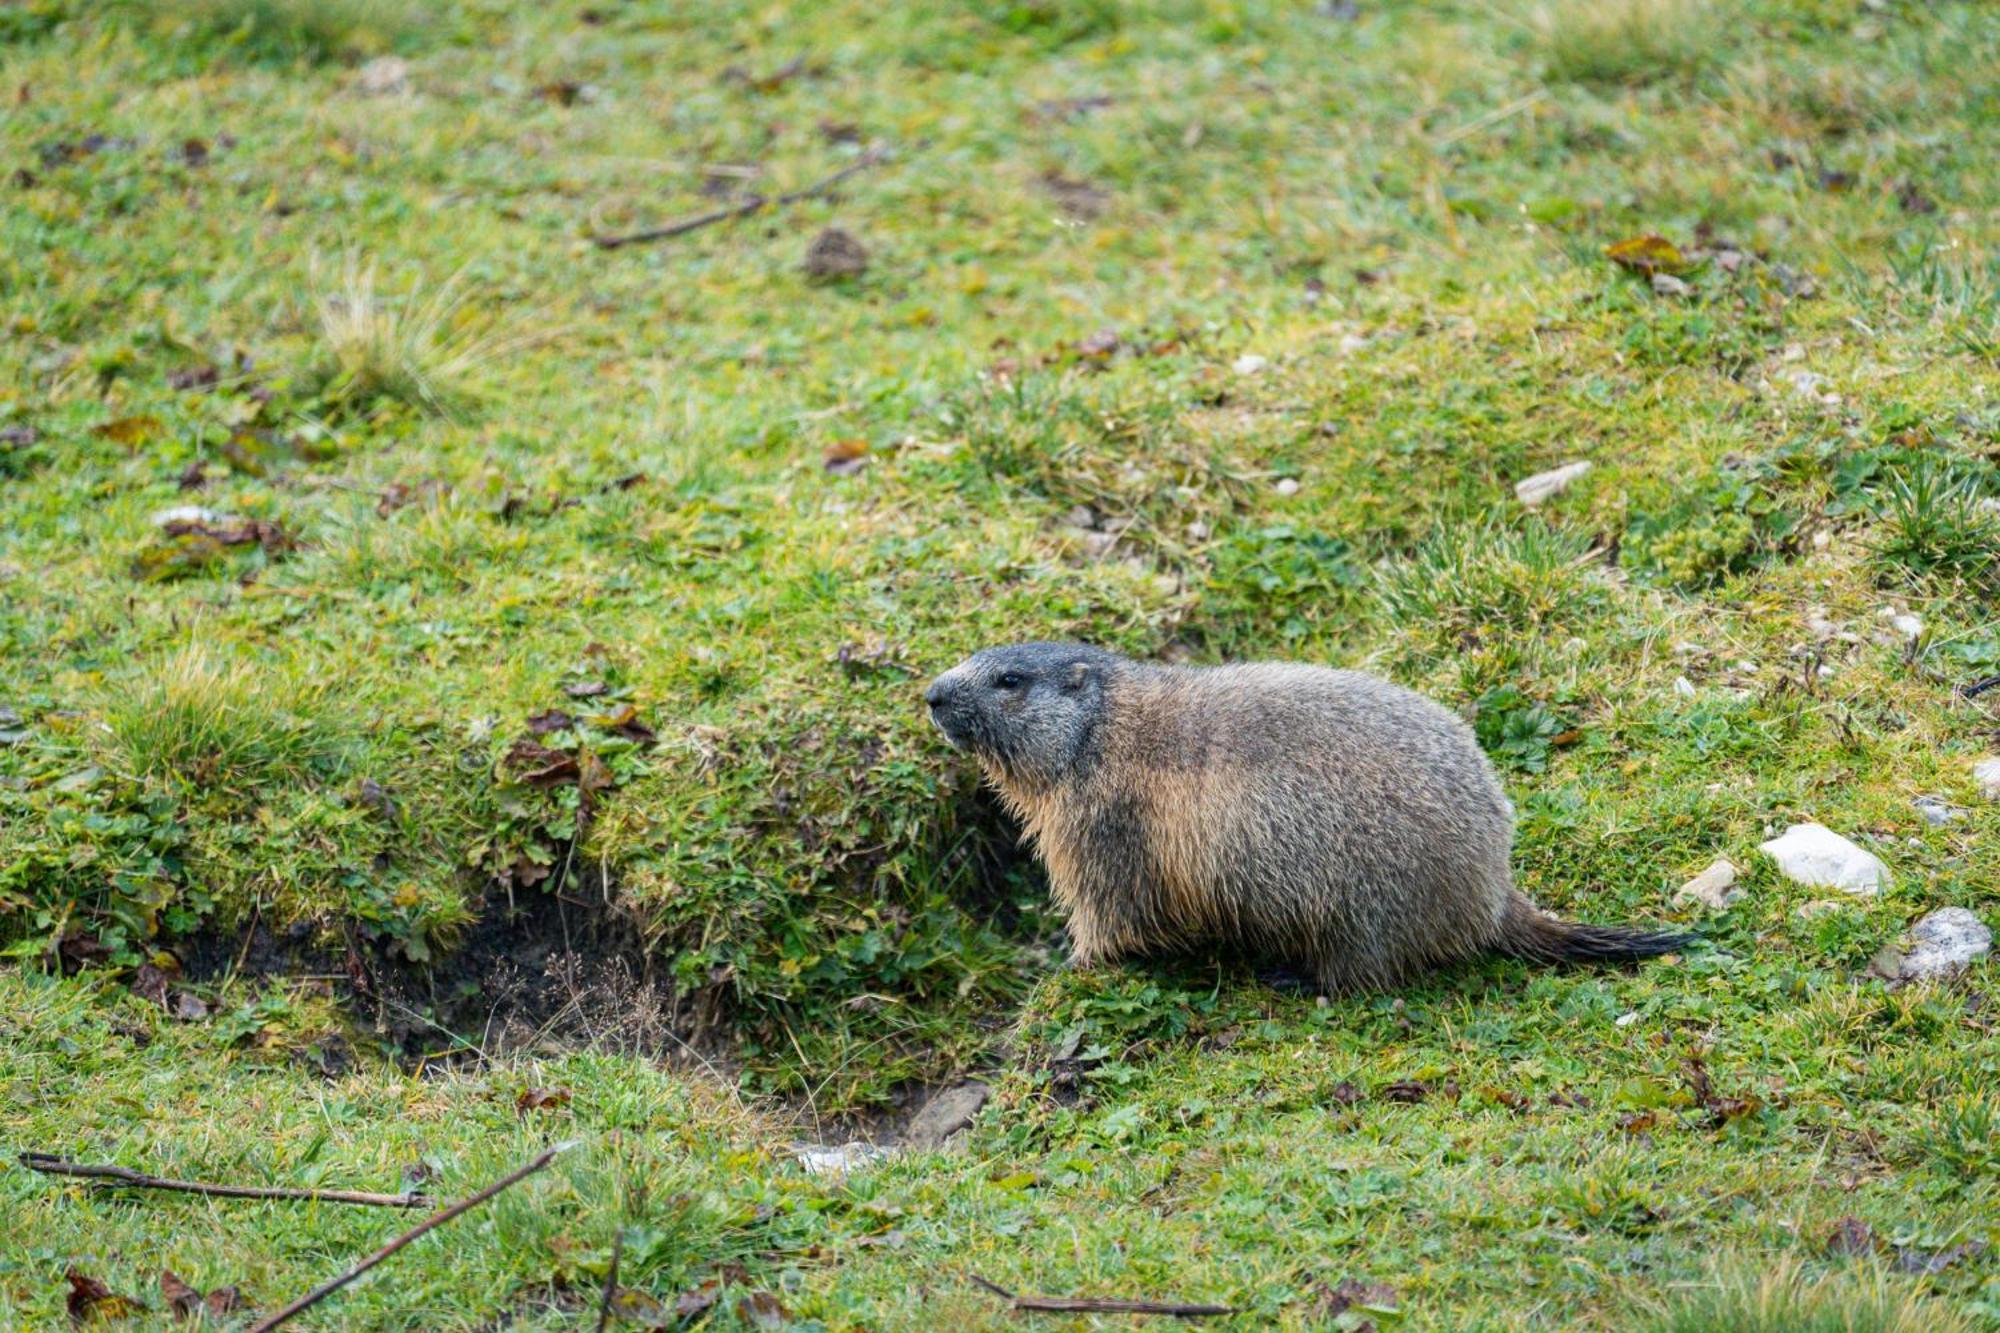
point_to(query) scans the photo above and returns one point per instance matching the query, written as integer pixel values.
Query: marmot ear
(1079, 674)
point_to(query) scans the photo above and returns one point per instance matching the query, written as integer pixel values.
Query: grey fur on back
(1323, 818)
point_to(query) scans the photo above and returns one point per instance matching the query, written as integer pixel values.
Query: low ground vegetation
(448, 660)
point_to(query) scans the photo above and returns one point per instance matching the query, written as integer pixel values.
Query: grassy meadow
(462, 681)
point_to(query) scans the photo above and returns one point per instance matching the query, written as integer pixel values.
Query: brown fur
(1306, 816)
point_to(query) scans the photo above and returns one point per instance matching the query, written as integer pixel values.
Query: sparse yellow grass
(424, 351)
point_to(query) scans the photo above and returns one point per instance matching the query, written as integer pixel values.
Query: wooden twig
(435, 1220)
(118, 1175)
(1974, 689)
(743, 208)
(1110, 1305)
(611, 1278)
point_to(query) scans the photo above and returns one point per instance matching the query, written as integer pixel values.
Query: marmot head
(1029, 710)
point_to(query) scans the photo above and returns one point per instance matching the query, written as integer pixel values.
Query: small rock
(1987, 774)
(1683, 687)
(186, 514)
(1627, 1019)
(821, 1159)
(1197, 531)
(1666, 284)
(1544, 485)
(945, 1114)
(1944, 943)
(384, 76)
(1909, 626)
(1350, 343)
(1817, 907)
(1287, 486)
(1935, 811)
(834, 254)
(1815, 855)
(1251, 364)
(1712, 887)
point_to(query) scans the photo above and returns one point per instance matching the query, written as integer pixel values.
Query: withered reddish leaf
(762, 1309)
(1346, 1094)
(541, 1099)
(592, 774)
(1639, 1122)
(1513, 1101)
(90, 1300)
(536, 763)
(1851, 1236)
(1409, 1091)
(181, 1298)
(696, 1300)
(625, 722)
(149, 983)
(541, 724)
(223, 1301)
(1647, 255)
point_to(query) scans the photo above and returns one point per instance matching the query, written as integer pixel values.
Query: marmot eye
(1009, 680)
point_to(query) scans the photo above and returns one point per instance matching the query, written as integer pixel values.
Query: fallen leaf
(1910, 1260)
(563, 92)
(1851, 1236)
(189, 1008)
(1911, 198)
(1639, 1122)
(91, 1301)
(586, 689)
(130, 431)
(1647, 255)
(199, 377)
(149, 983)
(376, 797)
(541, 1099)
(845, 457)
(1354, 1294)
(541, 724)
(696, 1300)
(1513, 1101)
(625, 722)
(835, 254)
(1346, 1094)
(1409, 1092)
(540, 766)
(762, 1309)
(183, 1300)
(1100, 346)
(1080, 199)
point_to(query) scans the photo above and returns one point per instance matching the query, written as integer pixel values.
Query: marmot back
(1320, 818)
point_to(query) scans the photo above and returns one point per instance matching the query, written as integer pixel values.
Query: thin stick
(438, 1219)
(1088, 1305)
(753, 204)
(611, 1278)
(1979, 687)
(56, 1166)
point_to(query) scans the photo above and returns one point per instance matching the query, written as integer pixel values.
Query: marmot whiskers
(1316, 818)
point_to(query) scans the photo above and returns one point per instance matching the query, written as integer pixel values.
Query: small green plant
(1963, 1140)
(203, 724)
(1934, 524)
(1626, 41)
(1474, 578)
(1782, 1298)
(1514, 730)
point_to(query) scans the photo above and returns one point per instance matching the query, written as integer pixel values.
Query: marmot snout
(1319, 818)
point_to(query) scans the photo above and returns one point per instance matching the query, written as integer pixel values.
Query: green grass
(493, 472)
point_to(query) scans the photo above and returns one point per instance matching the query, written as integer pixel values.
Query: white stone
(1531, 491)
(1944, 942)
(1666, 284)
(820, 1159)
(1910, 627)
(1712, 887)
(186, 514)
(1251, 364)
(1683, 687)
(1814, 854)
(1935, 811)
(1287, 486)
(1987, 774)
(1627, 1019)
(1351, 343)
(384, 76)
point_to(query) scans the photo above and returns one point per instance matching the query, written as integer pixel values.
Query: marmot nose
(937, 693)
